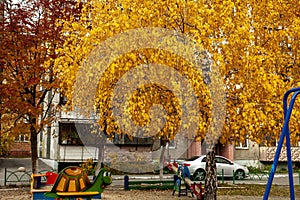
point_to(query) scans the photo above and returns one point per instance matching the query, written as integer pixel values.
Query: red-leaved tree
(29, 39)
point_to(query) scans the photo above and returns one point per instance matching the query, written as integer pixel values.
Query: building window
(22, 138)
(242, 145)
(70, 132)
(125, 140)
(62, 100)
(269, 142)
(171, 144)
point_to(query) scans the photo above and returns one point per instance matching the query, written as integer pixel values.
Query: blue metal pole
(274, 165)
(285, 133)
(290, 165)
(288, 149)
(285, 98)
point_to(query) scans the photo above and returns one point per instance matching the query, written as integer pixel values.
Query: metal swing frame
(285, 134)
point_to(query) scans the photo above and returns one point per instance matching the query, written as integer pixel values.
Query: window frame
(72, 137)
(241, 145)
(19, 138)
(171, 144)
(124, 140)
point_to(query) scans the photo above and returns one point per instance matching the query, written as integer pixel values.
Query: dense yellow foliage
(253, 43)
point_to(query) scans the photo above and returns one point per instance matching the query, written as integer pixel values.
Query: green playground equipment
(72, 182)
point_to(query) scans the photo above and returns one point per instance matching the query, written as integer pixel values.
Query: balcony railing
(268, 154)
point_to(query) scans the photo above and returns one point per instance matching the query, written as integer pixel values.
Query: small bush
(89, 167)
(267, 168)
(282, 170)
(254, 170)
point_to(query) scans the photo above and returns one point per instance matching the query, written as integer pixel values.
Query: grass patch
(256, 190)
(267, 168)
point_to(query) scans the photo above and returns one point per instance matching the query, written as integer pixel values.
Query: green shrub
(254, 170)
(89, 167)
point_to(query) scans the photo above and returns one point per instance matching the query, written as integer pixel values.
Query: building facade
(72, 139)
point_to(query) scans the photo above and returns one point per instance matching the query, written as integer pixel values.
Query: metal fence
(19, 177)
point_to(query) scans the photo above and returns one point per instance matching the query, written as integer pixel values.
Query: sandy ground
(111, 194)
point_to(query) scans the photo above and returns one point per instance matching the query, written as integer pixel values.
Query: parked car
(197, 164)
(168, 164)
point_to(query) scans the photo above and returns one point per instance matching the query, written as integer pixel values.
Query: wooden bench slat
(77, 193)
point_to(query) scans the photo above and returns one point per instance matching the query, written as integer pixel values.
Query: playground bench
(38, 186)
(183, 183)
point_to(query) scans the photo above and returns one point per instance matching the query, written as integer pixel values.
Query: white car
(197, 164)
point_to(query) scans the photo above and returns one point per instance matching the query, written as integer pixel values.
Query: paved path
(115, 191)
(279, 179)
(15, 163)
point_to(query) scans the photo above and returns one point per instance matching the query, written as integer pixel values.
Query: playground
(110, 194)
(73, 182)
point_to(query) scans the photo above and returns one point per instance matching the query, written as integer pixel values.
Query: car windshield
(193, 158)
(222, 160)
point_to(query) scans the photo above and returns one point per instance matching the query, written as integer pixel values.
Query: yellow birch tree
(253, 44)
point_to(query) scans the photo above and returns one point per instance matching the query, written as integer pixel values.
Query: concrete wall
(129, 159)
(178, 151)
(248, 156)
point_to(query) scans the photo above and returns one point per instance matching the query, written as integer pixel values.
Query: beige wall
(248, 156)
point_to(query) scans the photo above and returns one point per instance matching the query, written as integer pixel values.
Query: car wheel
(199, 175)
(239, 174)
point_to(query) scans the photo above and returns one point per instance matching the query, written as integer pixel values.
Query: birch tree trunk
(211, 176)
(161, 162)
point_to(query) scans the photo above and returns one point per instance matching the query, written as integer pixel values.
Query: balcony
(268, 154)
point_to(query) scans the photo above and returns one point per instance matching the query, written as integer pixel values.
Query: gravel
(111, 194)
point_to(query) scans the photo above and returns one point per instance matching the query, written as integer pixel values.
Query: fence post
(233, 177)
(222, 176)
(4, 176)
(126, 182)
